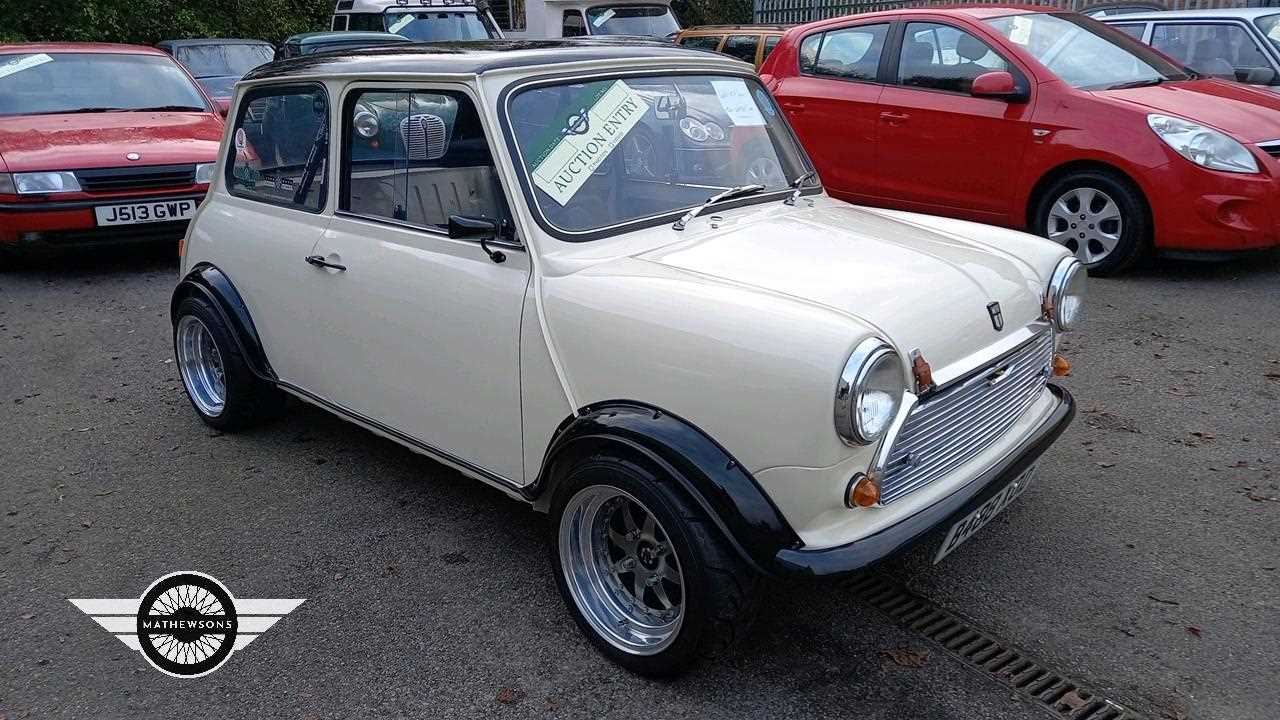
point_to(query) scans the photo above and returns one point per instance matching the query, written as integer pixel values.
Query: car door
(277, 177)
(419, 332)
(940, 148)
(832, 104)
(1223, 49)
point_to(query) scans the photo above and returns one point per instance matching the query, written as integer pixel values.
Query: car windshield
(603, 153)
(436, 25)
(1270, 26)
(46, 83)
(642, 20)
(218, 87)
(1085, 53)
(223, 59)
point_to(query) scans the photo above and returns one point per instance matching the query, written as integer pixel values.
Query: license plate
(148, 212)
(970, 524)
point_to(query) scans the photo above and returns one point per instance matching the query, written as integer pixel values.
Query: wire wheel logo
(187, 624)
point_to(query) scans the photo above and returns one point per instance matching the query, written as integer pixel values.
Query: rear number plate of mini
(148, 212)
(970, 524)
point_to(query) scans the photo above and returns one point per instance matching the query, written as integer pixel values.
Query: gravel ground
(1142, 562)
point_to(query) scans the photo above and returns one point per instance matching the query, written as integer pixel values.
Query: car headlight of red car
(204, 173)
(45, 183)
(1203, 146)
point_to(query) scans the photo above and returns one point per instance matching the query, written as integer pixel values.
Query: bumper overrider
(921, 527)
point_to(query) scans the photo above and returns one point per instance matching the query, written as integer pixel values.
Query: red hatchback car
(1033, 119)
(100, 144)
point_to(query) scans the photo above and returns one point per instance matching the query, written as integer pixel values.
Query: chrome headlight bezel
(1203, 145)
(365, 123)
(204, 173)
(1064, 298)
(870, 358)
(46, 183)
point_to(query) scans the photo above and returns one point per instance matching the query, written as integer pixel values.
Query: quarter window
(1218, 49)
(770, 43)
(742, 47)
(281, 146)
(573, 25)
(1133, 30)
(702, 42)
(852, 53)
(418, 157)
(941, 57)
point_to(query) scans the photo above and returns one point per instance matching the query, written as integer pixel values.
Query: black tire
(249, 400)
(720, 591)
(1135, 216)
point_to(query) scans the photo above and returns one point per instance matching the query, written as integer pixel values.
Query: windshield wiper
(733, 192)
(1148, 82)
(160, 108)
(795, 186)
(74, 111)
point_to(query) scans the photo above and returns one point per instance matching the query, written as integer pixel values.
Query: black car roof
(471, 57)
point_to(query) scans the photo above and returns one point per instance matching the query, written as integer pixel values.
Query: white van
(537, 19)
(418, 20)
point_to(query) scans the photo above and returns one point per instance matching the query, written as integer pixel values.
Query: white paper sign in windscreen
(588, 140)
(737, 102)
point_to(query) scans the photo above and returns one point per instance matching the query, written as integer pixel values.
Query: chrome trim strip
(975, 361)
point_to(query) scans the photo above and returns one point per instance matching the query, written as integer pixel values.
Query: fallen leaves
(907, 657)
(507, 696)
(1194, 630)
(1162, 601)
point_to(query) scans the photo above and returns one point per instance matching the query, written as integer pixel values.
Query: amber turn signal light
(1061, 368)
(864, 491)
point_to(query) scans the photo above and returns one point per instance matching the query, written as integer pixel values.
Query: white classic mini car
(603, 278)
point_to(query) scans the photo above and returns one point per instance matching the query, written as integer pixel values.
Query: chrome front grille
(947, 430)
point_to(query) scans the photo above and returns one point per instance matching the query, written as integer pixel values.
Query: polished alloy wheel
(1087, 221)
(621, 570)
(200, 364)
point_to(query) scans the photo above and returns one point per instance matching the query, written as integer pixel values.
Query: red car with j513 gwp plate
(1034, 118)
(100, 144)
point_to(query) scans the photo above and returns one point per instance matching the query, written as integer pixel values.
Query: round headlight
(1066, 294)
(693, 129)
(869, 392)
(365, 123)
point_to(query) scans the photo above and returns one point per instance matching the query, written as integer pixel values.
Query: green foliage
(146, 22)
(712, 12)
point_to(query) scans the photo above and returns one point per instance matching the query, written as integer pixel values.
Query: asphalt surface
(1142, 562)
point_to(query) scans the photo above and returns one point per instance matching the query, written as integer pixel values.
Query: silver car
(1241, 44)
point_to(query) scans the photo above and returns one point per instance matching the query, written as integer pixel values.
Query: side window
(281, 144)
(702, 42)
(809, 52)
(367, 22)
(573, 25)
(339, 23)
(770, 43)
(417, 157)
(941, 57)
(1221, 50)
(852, 53)
(1133, 30)
(742, 47)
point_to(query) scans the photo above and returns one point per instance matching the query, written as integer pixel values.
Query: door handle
(319, 261)
(894, 118)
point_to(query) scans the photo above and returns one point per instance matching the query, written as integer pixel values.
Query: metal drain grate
(987, 654)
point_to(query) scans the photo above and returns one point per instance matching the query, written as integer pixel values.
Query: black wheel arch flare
(207, 281)
(703, 469)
